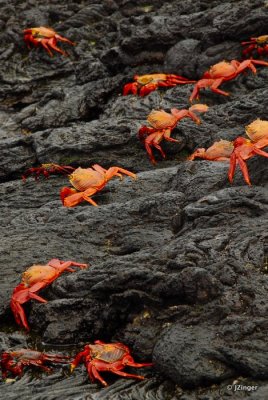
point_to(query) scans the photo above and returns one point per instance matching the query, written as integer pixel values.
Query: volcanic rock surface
(178, 258)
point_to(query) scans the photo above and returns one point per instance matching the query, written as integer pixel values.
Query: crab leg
(63, 39)
(260, 152)
(250, 64)
(126, 375)
(215, 85)
(38, 364)
(19, 314)
(93, 372)
(203, 83)
(87, 193)
(102, 170)
(45, 43)
(132, 363)
(56, 358)
(91, 375)
(154, 143)
(234, 159)
(52, 43)
(112, 171)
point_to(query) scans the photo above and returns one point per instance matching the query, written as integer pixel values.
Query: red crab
(222, 72)
(15, 361)
(112, 357)
(35, 278)
(240, 150)
(259, 43)
(162, 124)
(146, 84)
(87, 182)
(45, 37)
(46, 170)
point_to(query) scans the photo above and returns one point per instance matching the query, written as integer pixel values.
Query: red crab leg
(148, 88)
(148, 143)
(199, 85)
(38, 364)
(169, 139)
(215, 85)
(249, 49)
(90, 373)
(44, 43)
(19, 314)
(232, 167)
(130, 88)
(63, 39)
(234, 159)
(52, 43)
(93, 371)
(56, 358)
(86, 196)
(102, 170)
(250, 64)
(132, 363)
(112, 171)
(126, 375)
(260, 152)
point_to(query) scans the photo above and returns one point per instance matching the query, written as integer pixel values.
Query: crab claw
(130, 88)
(150, 87)
(70, 197)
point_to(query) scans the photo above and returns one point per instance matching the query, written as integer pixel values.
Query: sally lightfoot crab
(87, 182)
(145, 84)
(110, 357)
(45, 37)
(258, 44)
(222, 72)
(34, 279)
(13, 362)
(46, 170)
(162, 124)
(239, 150)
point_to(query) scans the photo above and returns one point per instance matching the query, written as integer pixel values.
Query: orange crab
(239, 150)
(15, 361)
(112, 357)
(162, 124)
(222, 72)
(87, 182)
(146, 84)
(46, 170)
(260, 44)
(35, 278)
(45, 37)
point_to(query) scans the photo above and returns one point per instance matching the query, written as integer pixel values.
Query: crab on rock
(146, 84)
(239, 150)
(87, 182)
(15, 361)
(35, 278)
(45, 37)
(46, 170)
(111, 357)
(162, 124)
(260, 44)
(222, 72)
